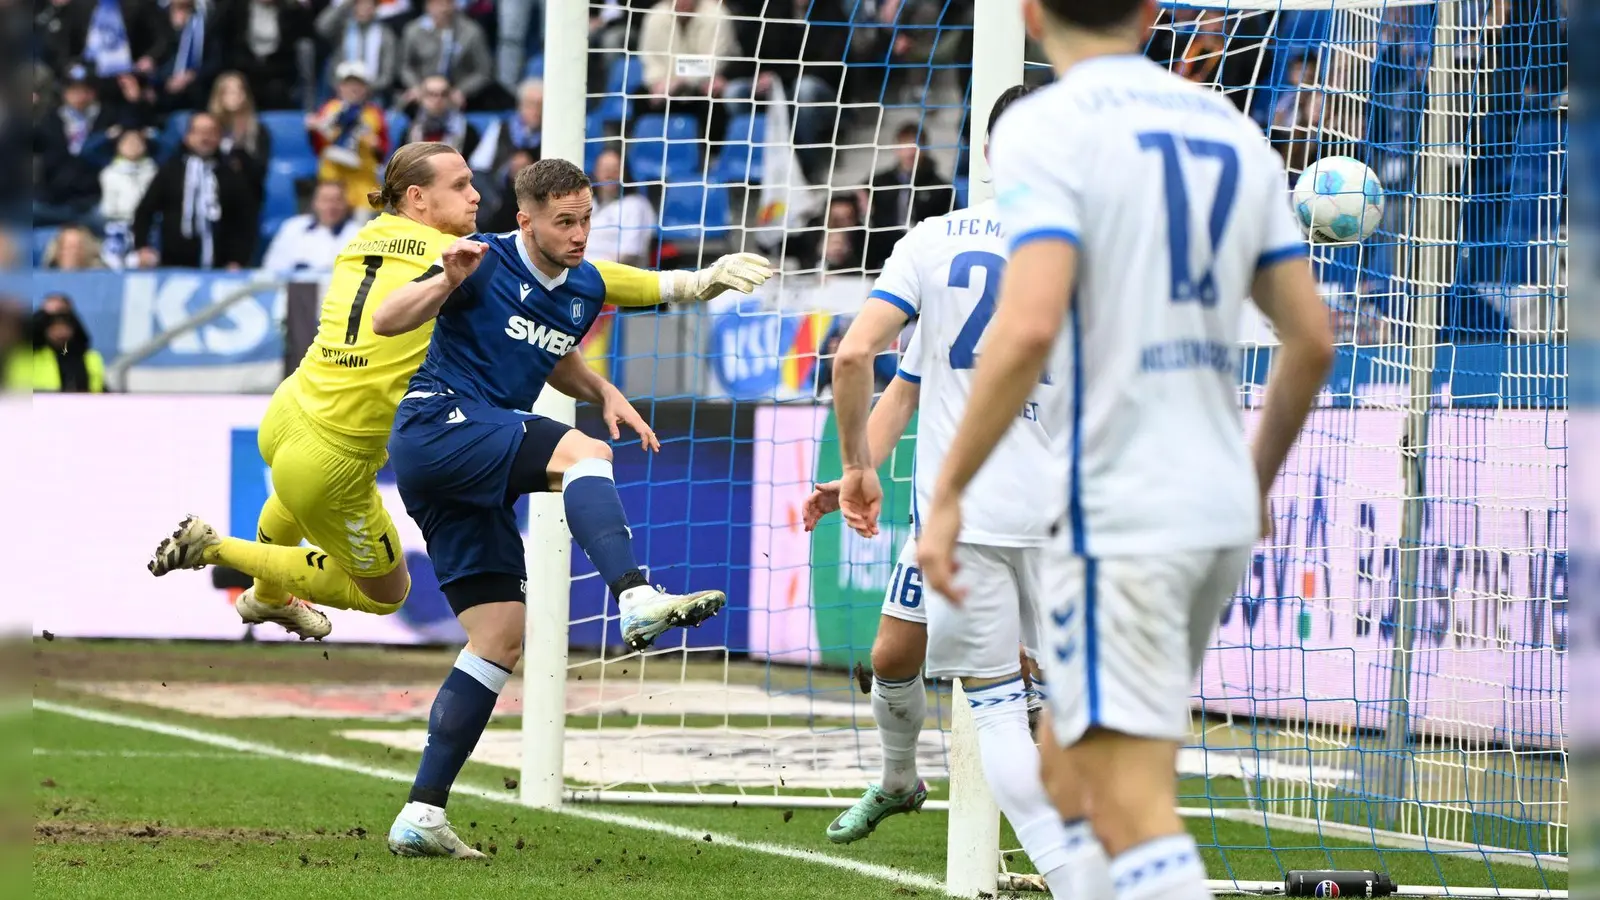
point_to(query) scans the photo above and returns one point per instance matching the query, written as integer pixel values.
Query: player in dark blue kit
(510, 310)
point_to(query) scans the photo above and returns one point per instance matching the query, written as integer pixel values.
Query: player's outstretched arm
(1287, 294)
(861, 496)
(573, 377)
(412, 305)
(887, 424)
(1034, 300)
(628, 286)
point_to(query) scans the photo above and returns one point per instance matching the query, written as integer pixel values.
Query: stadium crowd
(233, 134)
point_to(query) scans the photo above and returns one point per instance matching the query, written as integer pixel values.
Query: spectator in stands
(520, 24)
(190, 61)
(521, 129)
(502, 215)
(802, 44)
(904, 194)
(208, 204)
(624, 223)
(259, 38)
(1297, 117)
(71, 147)
(351, 28)
(439, 118)
(110, 37)
(62, 358)
(242, 131)
(811, 244)
(122, 186)
(73, 249)
(307, 244)
(16, 357)
(683, 45)
(350, 135)
(444, 42)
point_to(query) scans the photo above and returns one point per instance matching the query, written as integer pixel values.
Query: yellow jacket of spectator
(354, 161)
(46, 374)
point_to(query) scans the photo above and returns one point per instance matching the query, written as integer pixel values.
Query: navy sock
(598, 524)
(460, 712)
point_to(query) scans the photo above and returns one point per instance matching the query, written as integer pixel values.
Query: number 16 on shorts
(906, 586)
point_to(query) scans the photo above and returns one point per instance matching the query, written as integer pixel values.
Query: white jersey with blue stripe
(946, 273)
(1174, 200)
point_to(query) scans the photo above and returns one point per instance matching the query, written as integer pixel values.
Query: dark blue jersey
(504, 329)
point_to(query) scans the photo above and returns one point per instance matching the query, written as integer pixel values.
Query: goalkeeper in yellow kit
(325, 431)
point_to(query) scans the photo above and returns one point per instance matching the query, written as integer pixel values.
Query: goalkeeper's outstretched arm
(628, 286)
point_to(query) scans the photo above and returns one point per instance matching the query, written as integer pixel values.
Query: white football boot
(423, 830)
(297, 616)
(648, 611)
(186, 549)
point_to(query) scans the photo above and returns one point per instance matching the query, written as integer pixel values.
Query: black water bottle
(1337, 883)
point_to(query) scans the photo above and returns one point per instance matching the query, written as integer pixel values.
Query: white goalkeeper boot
(648, 611)
(186, 548)
(297, 616)
(423, 830)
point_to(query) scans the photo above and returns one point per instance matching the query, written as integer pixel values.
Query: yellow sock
(305, 572)
(276, 525)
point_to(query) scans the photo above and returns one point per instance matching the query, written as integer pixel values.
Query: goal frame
(998, 63)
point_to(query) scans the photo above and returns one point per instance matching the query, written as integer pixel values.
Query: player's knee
(596, 450)
(576, 448)
(894, 659)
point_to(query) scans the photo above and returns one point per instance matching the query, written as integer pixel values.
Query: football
(1339, 200)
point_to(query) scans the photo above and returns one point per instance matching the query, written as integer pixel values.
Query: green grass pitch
(125, 812)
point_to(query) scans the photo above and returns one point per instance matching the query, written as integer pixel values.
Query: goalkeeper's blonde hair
(411, 166)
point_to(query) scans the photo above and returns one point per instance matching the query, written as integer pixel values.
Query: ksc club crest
(577, 311)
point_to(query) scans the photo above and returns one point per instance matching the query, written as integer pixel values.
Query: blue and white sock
(898, 708)
(1066, 854)
(460, 712)
(599, 525)
(1168, 868)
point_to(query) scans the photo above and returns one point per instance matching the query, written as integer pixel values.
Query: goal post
(1388, 683)
(548, 550)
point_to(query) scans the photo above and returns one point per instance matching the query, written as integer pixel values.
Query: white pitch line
(145, 754)
(697, 835)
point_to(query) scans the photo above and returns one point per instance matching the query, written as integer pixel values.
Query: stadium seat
(172, 135)
(740, 159)
(281, 199)
(397, 122)
(689, 210)
(645, 153)
(963, 192)
(534, 67)
(627, 77)
(482, 120)
(683, 147)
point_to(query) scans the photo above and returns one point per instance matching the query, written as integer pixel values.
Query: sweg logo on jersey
(520, 329)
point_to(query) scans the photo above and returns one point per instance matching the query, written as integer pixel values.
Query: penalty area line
(226, 742)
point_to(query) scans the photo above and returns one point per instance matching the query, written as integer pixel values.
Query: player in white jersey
(945, 274)
(1141, 210)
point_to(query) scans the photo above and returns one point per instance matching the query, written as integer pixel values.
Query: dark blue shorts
(452, 460)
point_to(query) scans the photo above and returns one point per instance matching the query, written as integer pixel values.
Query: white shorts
(1124, 637)
(979, 638)
(903, 598)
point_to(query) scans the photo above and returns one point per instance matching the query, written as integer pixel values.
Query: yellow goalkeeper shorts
(330, 485)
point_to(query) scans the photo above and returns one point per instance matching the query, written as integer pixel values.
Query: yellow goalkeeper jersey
(351, 379)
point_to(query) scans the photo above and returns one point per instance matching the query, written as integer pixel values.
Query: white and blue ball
(1339, 200)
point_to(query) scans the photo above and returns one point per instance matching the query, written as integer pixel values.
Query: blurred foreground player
(325, 433)
(1140, 210)
(511, 310)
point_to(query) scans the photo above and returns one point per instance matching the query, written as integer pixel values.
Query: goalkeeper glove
(742, 272)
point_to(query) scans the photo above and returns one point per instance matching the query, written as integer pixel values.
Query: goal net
(1386, 691)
